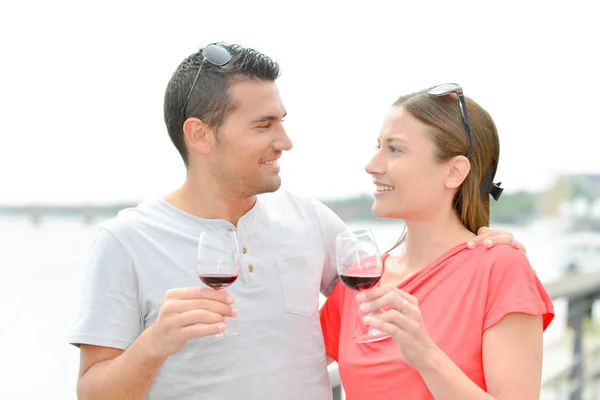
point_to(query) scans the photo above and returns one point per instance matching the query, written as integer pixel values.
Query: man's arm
(118, 358)
(108, 373)
(330, 224)
(490, 237)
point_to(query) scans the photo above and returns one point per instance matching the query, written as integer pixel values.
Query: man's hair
(211, 100)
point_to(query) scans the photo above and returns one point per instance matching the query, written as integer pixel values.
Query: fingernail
(234, 311)
(360, 296)
(364, 307)
(471, 244)
(230, 299)
(488, 242)
(221, 327)
(367, 319)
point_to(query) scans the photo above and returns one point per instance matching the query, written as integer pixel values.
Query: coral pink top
(461, 294)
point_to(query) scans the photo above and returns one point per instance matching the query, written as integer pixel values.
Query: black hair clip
(487, 185)
(496, 190)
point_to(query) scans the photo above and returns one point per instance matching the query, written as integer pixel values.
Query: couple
(462, 304)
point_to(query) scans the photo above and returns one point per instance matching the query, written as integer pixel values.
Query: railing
(336, 383)
(568, 382)
(583, 370)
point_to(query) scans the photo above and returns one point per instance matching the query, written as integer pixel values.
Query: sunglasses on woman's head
(448, 88)
(487, 184)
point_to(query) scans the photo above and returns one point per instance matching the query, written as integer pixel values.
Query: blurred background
(82, 135)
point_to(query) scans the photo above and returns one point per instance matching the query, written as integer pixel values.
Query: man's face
(250, 142)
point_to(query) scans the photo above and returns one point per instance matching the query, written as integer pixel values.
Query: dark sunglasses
(487, 184)
(447, 88)
(214, 54)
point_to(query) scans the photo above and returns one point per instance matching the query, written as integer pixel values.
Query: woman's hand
(401, 318)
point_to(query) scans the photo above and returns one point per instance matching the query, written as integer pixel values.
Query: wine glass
(218, 262)
(360, 267)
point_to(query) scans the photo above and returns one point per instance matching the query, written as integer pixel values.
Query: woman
(464, 324)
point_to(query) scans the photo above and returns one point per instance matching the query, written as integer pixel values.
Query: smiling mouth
(270, 162)
(384, 188)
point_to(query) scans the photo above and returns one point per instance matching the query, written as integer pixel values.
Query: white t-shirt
(279, 353)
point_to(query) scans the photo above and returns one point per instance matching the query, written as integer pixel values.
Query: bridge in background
(358, 207)
(87, 212)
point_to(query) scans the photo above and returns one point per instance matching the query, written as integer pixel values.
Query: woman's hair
(447, 131)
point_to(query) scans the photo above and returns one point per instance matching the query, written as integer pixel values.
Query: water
(42, 269)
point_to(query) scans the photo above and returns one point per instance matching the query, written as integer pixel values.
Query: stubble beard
(242, 186)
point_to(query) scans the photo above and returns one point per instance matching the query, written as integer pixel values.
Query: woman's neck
(428, 239)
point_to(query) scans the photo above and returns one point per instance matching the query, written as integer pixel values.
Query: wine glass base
(221, 335)
(372, 337)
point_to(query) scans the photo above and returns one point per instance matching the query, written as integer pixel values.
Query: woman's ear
(458, 169)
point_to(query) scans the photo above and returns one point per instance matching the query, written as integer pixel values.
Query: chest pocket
(300, 283)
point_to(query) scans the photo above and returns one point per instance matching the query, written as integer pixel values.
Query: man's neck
(206, 200)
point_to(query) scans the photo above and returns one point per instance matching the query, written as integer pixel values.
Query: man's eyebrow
(268, 118)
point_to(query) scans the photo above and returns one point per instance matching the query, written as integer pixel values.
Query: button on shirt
(287, 244)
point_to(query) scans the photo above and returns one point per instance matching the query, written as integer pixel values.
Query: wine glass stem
(219, 335)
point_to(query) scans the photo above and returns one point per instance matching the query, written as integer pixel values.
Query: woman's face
(410, 183)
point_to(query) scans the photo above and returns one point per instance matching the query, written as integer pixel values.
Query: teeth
(381, 188)
(273, 162)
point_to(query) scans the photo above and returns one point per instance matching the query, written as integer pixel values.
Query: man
(144, 322)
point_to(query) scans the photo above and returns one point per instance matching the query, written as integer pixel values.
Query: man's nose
(283, 142)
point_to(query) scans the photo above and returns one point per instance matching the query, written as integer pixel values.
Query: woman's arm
(511, 350)
(512, 361)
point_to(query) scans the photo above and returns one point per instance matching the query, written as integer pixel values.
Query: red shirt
(461, 294)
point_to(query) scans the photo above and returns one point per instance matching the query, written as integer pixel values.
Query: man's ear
(198, 136)
(458, 169)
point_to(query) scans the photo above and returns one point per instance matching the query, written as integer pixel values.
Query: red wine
(218, 281)
(360, 282)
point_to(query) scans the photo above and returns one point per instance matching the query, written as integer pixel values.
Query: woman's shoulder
(500, 255)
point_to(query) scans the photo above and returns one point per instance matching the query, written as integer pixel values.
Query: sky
(82, 85)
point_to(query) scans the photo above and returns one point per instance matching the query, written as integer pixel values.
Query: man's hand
(189, 313)
(491, 237)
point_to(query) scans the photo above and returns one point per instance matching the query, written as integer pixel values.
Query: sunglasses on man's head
(487, 185)
(214, 54)
(448, 88)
